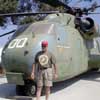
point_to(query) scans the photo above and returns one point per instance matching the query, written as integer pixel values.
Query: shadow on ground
(7, 90)
(90, 76)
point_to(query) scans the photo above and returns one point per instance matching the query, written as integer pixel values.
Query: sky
(10, 27)
(3, 30)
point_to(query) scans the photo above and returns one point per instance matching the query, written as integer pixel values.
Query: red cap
(44, 43)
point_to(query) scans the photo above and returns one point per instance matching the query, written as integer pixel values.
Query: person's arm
(32, 73)
(55, 71)
(33, 68)
(53, 60)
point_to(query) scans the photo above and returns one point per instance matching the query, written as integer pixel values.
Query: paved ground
(83, 87)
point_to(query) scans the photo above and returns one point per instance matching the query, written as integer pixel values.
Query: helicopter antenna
(7, 33)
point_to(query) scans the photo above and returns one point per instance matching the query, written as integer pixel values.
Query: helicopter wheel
(30, 88)
(20, 89)
(95, 69)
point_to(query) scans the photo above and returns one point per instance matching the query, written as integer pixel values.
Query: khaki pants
(45, 77)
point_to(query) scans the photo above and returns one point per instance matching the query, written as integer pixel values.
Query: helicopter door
(79, 58)
(63, 53)
(76, 53)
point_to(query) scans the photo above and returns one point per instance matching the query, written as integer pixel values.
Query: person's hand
(55, 76)
(32, 76)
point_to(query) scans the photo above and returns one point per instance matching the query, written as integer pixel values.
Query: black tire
(95, 69)
(20, 89)
(30, 88)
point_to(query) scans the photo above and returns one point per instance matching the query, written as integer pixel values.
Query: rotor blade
(7, 33)
(92, 8)
(27, 13)
(56, 3)
(94, 13)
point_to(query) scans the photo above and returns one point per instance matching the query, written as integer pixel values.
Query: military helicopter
(71, 39)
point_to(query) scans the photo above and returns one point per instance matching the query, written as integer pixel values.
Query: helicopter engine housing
(89, 29)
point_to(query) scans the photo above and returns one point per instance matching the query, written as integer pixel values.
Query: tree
(10, 6)
(27, 20)
(7, 6)
(24, 5)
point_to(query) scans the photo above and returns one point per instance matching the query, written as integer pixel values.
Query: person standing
(44, 61)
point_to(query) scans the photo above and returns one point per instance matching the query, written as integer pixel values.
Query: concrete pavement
(83, 87)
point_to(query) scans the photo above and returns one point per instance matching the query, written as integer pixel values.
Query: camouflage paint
(65, 42)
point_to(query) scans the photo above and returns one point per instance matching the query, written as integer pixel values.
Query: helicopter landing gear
(95, 69)
(30, 88)
(20, 90)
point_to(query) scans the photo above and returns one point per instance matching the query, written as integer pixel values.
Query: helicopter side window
(98, 44)
(20, 30)
(95, 44)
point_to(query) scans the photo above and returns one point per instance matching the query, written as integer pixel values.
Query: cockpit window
(20, 30)
(43, 28)
(40, 28)
(36, 28)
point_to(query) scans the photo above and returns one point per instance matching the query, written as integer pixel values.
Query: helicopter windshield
(43, 28)
(38, 28)
(20, 30)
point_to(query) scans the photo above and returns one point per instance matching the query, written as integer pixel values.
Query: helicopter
(71, 38)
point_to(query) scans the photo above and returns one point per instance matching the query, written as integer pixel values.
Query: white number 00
(18, 43)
